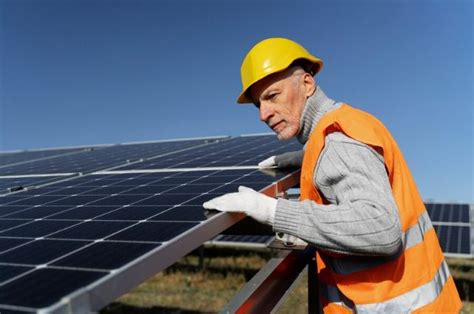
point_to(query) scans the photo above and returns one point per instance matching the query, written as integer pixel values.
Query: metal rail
(265, 292)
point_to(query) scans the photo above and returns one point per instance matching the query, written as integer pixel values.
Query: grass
(188, 287)
(179, 292)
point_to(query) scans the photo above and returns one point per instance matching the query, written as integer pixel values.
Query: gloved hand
(286, 160)
(268, 163)
(254, 204)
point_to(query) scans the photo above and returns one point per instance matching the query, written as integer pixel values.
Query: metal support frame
(265, 292)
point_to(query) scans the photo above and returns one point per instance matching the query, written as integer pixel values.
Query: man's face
(281, 98)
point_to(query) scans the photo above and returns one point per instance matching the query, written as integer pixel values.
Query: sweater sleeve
(362, 217)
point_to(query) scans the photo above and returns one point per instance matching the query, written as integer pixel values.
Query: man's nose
(266, 111)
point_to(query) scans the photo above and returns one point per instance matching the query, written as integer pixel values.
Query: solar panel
(105, 233)
(99, 158)
(240, 151)
(448, 212)
(454, 240)
(453, 225)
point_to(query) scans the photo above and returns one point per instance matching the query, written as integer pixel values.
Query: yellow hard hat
(270, 56)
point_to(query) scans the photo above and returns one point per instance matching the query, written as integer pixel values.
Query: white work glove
(268, 163)
(285, 160)
(254, 204)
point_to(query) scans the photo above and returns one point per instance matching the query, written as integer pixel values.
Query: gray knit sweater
(362, 218)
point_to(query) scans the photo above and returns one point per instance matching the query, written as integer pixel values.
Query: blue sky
(91, 72)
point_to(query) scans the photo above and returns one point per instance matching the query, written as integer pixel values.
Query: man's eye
(272, 96)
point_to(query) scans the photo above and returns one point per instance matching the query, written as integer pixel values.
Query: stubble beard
(287, 133)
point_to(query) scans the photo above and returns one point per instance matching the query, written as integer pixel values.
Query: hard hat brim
(317, 64)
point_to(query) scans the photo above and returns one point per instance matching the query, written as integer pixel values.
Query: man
(377, 249)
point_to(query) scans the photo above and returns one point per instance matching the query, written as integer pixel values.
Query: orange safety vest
(416, 280)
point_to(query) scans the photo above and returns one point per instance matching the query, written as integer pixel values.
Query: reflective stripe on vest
(410, 238)
(409, 301)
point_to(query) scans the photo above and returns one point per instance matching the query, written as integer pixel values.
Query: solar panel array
(79, 242)
(75, 242)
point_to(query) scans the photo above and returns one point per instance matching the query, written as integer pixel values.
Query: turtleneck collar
(316, 106)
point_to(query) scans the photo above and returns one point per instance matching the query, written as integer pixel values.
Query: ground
(188, 287)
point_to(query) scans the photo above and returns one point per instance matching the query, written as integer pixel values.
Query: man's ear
(310, 84)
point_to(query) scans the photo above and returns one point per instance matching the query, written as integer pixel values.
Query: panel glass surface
(80, 230)
(9, 184)
(454, 239)
(240, 151)
(448, 212)
(8, 158)
(99, 158)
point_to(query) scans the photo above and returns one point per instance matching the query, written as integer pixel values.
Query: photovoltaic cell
(9, 243)
(7, 272)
